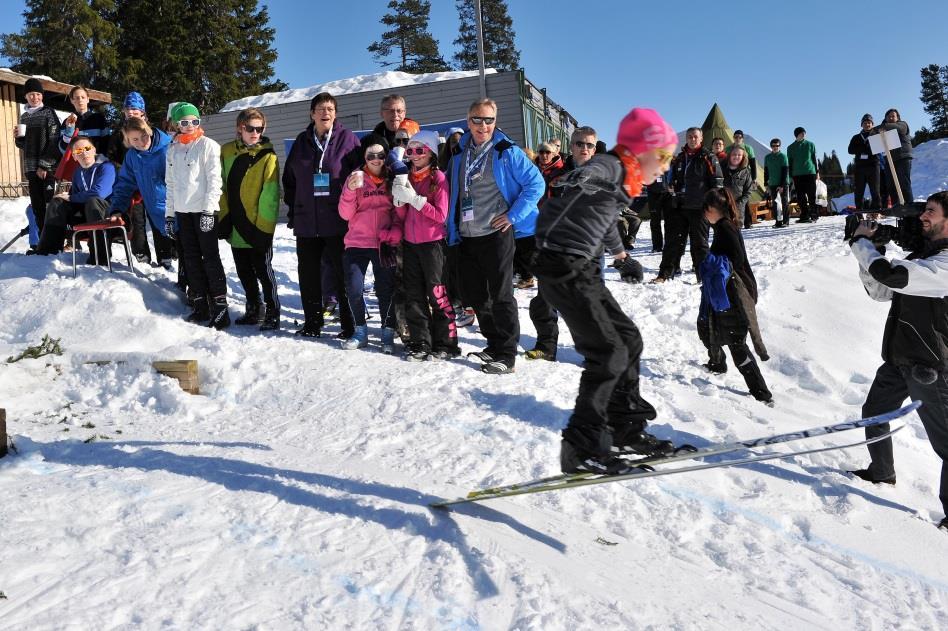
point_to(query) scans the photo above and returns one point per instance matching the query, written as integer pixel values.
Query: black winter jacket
(859, 146)
(695, 175)
(40, 145)
(583, 215)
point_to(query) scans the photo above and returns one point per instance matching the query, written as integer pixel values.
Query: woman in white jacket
(193, 180)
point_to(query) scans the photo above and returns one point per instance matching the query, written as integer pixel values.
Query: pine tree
(935, 100)
(70, 41)
(500, 52)
(167, 53)
(408, 35)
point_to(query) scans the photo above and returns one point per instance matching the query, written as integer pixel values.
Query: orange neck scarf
(186, 139)
(375, 179)
(420, 174)
(633, 171)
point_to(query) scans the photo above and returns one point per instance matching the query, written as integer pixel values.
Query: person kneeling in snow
(610, 414)
(915, 340)
(728, 296)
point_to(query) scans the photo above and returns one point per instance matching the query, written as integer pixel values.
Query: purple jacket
(309, 215)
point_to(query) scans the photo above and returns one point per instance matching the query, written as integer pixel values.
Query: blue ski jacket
(144, 171)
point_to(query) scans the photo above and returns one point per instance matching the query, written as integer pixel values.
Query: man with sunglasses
(777, 178)
(87, 200)
(494, 193)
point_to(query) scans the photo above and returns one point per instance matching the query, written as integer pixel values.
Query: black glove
(169, 227)
(630, 270)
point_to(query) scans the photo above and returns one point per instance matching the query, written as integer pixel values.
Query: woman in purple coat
(321, 159)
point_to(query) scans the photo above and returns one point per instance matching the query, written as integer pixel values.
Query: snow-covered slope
(292, 493)
(929, 172)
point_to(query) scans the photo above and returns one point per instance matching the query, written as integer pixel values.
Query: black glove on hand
(630, 270)
(169, 227)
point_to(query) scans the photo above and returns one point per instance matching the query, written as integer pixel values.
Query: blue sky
(770, 65)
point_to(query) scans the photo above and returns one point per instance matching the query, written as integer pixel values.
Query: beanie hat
(866, 117)
(428, 138)
(184, 109)
(453, 130)
(134, 101)
(644, 129)
(373, 139)
(33, 85)
(410, 126)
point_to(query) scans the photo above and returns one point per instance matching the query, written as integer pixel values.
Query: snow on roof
(362, 83)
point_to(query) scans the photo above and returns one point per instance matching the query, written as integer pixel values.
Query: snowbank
(292, 493)
(361, 83)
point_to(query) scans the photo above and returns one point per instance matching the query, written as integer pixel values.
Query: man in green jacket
(777, 178)
(801, 157)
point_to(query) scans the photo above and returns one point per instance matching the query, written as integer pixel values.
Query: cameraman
(915, 340)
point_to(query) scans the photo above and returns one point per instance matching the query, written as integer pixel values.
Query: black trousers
(656, 205)
(309, 256)
(611, 347)
(523, 253)
(428, 310)
(866, 174)
(903, 170)
(729, 328)
(140, 220)
(452, 275)
(805, 187)
(682, 224)
(60, 213)
(784, 217)
(41, 192)
(253, 267)
(197, 233)
(486, 269)
(890, 388)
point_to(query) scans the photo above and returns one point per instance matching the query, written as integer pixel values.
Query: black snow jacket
(693, 176)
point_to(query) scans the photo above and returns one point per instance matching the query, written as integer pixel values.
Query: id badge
(320, 184)
(467, 209)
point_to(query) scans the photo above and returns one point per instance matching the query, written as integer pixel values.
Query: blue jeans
(355, 263)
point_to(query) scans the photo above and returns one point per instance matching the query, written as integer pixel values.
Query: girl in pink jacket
(366, 204)
(421, 211)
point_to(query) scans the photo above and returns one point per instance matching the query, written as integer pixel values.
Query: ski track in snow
(292, 494)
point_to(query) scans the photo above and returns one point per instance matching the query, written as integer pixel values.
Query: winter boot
(253, 314)
(755, 381)
(359, 339)
(220, 317)
(537, 353)
(271, 320)
(417, 352)
(199, 311)
(572, 460)
(51, 240)
(388, 340)
(631, 439)
(310, 328)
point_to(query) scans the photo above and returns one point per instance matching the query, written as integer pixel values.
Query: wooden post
(184, 370)
(895, 176)
(3, 432)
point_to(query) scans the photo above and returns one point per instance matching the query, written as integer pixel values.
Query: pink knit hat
(643, 129)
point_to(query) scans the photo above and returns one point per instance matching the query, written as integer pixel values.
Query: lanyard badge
(467, 208)
(320, 184)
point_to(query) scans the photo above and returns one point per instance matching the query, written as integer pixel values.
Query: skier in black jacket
(571, 229)
(915, 340)
(865, 165)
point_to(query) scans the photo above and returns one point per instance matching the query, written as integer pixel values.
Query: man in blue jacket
(494, 193)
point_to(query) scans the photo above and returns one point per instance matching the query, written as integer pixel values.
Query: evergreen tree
(169, 52)
(935, 101)
(408, 35)
(72, 41)
(500, 52)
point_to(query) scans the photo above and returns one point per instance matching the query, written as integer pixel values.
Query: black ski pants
(256, 266)
(41, 192)
(486, 269)
(784, 216)
(309, 256)
(682, 224)
(890, 388)
(656, 204)
(610, 344)
(866, 174)
(140, 220)
(805, 187)
(428, 310)
(198, 235)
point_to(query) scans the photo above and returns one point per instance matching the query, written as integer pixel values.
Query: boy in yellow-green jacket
(250, 205)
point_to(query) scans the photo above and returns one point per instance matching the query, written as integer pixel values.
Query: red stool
(104, 227)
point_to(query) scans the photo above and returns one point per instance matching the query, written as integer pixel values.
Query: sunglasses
(253, 129)
(482, 120)
(584, 145)
(775, 146)
(375, 156)
(664, 155)
(416, 151)
(187, 122)
(401, 141)
(78, 151)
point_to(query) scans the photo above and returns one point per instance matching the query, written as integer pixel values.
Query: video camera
(906, 233)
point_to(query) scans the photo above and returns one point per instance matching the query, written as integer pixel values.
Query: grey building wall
(426, 103)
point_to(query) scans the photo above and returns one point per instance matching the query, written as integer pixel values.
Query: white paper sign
(891, 137)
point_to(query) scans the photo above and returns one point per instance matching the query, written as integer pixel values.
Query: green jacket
(776, 170)
(250, 204)
(801, 156)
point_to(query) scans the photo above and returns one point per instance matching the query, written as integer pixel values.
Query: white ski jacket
(193, 177)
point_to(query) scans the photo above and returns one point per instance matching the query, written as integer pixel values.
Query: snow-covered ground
(929, 172)
(292, 493)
